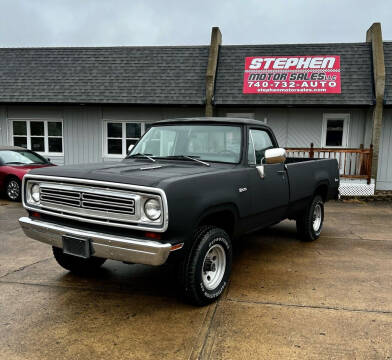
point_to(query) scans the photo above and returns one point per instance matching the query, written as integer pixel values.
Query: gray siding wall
(384, 181)
(298, 127)
(149, 113)
(293, 127)
(82, 125)
(3, 126)
(368, 128)
(82, 134)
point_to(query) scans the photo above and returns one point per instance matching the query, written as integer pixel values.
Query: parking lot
(286, 299)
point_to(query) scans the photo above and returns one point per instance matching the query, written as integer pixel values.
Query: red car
(15, 162)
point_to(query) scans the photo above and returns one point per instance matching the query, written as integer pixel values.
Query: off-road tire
(193, 289)
(13, 189)
(305, 222)
(75, 264)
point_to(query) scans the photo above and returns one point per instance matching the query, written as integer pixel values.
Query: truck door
(270, 195)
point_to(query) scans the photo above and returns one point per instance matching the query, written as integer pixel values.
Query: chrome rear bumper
(104, 245)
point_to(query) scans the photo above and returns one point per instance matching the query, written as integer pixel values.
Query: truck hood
(131, 171)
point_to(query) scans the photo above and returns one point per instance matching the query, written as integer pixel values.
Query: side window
(259, 141)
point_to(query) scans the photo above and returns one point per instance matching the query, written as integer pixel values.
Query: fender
(230, 207)
(323, 183)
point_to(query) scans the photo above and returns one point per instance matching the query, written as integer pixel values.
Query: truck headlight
(35, 193)
(152, 209)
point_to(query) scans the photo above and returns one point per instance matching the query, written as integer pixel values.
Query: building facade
(80, 105)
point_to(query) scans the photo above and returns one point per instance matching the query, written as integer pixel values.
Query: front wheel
(310, 222)
(76, 264)
(13, 189)
(206, 271)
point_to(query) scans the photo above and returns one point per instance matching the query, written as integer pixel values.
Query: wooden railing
(353, 163)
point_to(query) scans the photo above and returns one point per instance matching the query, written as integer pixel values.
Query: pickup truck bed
(306, 174)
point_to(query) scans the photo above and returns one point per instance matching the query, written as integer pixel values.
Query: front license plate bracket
(77, 246)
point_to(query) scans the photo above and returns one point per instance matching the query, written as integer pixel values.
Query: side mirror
(130, 148)
(48, 159)
(275, 156)
(271, 156)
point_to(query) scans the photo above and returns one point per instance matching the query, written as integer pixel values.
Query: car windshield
(18, 157)
(218, 143)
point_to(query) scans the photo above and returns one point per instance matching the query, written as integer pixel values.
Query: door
(270, 195)
(335, 134)
(335, 130)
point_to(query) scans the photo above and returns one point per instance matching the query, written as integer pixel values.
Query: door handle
(282, 172)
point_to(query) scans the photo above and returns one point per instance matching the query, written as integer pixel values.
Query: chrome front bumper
(103, 245)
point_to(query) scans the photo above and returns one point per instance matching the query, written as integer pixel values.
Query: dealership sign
(292, 75)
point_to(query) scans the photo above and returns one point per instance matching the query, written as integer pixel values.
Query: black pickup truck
(185, 192)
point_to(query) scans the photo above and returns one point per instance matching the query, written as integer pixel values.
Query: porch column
(216, 41)
(374, 36)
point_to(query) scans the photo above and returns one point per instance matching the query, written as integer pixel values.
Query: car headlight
(35, 193)
(152, 209)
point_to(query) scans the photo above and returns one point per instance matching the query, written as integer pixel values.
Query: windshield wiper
(148, 156)
(186, 157)
(15, 162)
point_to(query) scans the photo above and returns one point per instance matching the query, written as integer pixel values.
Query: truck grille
(105, 203)
(90, 202)
(60, 197)
(110, 204)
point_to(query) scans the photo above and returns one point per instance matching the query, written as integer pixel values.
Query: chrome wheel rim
(317, 217)
(214, 267)
(13, 190)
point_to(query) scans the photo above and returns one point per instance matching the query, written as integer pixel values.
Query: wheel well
(10, 176)
(322, 190)
(224, 219)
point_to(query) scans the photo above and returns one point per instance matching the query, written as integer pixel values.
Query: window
(335, 130)
(259, 141)
(42, 136)
(21, 157)
(221, 143)
(119, 135)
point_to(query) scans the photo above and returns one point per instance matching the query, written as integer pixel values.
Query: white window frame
(45, 136)
(346, 128)
(123, 137)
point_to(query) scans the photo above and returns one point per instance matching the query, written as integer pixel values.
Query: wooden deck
(353, 163)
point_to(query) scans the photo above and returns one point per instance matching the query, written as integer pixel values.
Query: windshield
(205, 142)
(25, 157)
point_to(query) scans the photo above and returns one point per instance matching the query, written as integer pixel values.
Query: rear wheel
(13, 189)
(76, 264)
(310, 222)
(205, 273)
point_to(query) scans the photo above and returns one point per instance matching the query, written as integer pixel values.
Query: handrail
(353, 163)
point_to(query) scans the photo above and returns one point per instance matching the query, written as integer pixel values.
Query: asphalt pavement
(330, 299)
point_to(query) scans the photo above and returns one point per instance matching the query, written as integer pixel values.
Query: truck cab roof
(218, 120)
